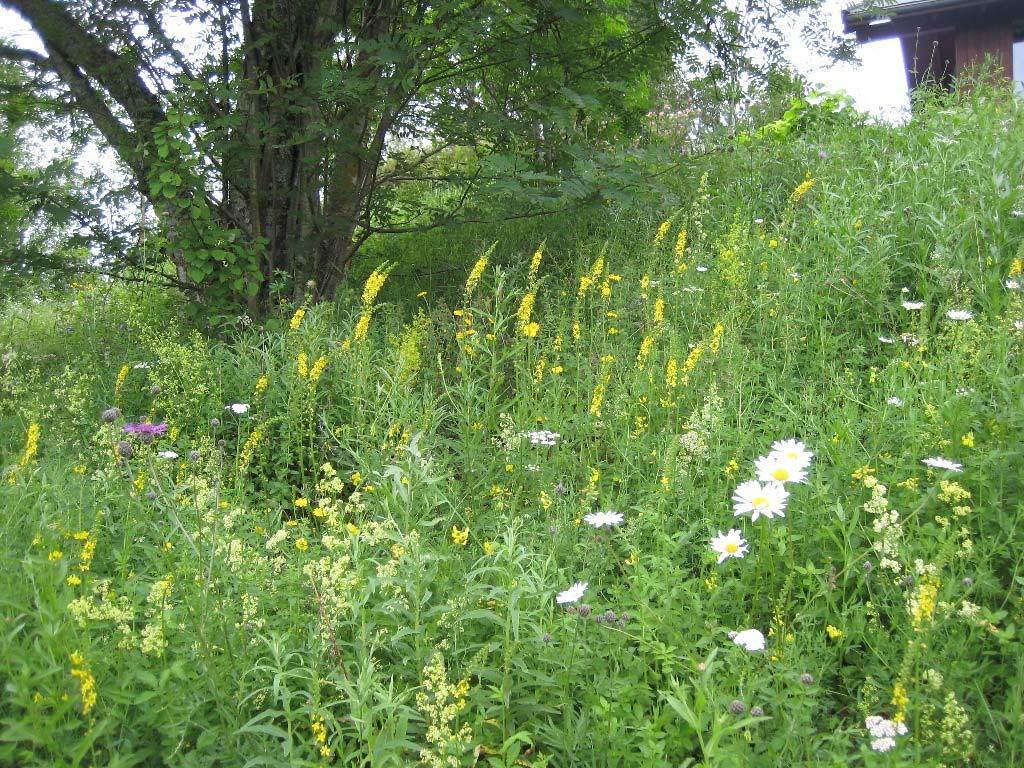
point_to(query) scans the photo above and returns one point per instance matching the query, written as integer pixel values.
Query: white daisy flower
(751, 639)
(768, 500)
(167, 455)
(895, 401)
(1013, 285)
(544, 437)
(239, 409)
(794, 451)
(776, 467)
(960, 314)
(937, 462)
(731, 544)
(887, 339)
(572, 594)
(602, 519)
(913, 306)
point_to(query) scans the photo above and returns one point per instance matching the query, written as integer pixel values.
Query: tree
(277, 146)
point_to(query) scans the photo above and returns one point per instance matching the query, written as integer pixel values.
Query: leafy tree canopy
(284, 133)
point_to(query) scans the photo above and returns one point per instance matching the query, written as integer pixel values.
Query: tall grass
(362, 568)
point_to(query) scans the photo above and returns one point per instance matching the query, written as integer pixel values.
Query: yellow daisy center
(781, 474)
(759, 501)
(732, 548)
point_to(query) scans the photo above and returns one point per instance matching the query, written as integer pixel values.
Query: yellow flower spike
(296, 320)
(121, 376)
(375, 282)
(802, 190)
(303, 365)
(460, 536)
(535, 263)
(662, 232)
(31, 449)
(477, 272)
(318, 369)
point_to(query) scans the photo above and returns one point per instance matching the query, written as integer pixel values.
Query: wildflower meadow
(733, 477)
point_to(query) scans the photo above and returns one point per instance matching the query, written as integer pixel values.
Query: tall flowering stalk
(371, 288)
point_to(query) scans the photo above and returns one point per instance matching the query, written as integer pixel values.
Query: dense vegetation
(356, 540)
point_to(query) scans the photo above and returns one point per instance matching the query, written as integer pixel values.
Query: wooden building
(941, 38)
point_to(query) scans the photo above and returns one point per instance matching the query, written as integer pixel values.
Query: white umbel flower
(895, 401)
(937, 462)
(777, 468)
(731, 544)
(544, 437)
(239, 409)
(960, 314)
(754, 499)
(794, 451)
(883, 732)
(913, 306)
(603, 519)
(171, 455)
(572, 594)
(751, 639)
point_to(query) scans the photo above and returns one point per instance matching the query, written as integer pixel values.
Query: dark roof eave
(859, 18)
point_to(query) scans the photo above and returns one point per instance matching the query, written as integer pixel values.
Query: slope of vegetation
(362, 534)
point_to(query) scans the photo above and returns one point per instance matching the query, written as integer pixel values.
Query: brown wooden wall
(973, 44)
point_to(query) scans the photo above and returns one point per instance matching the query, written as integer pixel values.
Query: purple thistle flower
(145, 431)
(145, 428)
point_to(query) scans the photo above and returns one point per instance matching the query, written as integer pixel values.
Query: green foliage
(815, 112)
(361, 567)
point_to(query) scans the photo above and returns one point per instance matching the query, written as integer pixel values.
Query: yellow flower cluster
(460, 535)
(296, 320)
(319, 729)
(86, 682)
(261, 385)
(662, 232)
(440, 703)
(535, 263)
(801, 190)
(371, 288)
(249, 449)
(121, 376)
(31, 450)
(303, 365)
(477, 272)
(680, 251)
(318, 369)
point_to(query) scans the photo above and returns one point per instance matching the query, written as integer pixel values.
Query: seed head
(737, 707)
(111, 415)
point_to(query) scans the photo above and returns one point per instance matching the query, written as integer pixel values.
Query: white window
(1018, 64)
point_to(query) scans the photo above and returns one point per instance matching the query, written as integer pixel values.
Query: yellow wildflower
(535, 263)
(680, 251)
(362, 326)
(460, 536)
(801, 190)
(301, 503)
(318, 369)
(301, 544)
(73, 580)
(662, 232)
(488, 547)
(296, 320)
(86, 682)
(659, 311)
(477, 272)
(55, 554)
(31, 450)
(303, 365)
(261, 384)
(375, 282)
(834, 633)
(121, 376)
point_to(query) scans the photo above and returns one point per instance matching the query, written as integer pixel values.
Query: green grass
(362, 569)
